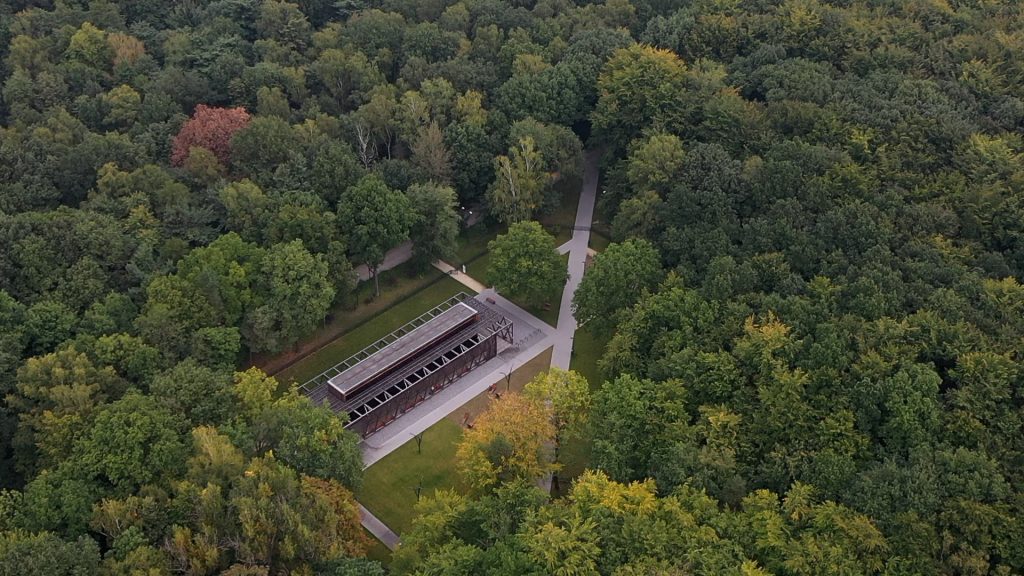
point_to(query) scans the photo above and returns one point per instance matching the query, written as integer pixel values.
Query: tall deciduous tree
(44, 554)
(639, 86)
(510, 440)
(55, 398)
(375, 219)
(567, 395)
(294, 291)
(211, 128)
(617, 278)
(520, 181)
(133, 442)
(435, 228)
(430, 154)
(525, 263)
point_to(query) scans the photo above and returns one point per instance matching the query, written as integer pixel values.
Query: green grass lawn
(561, 221)
(389, 486)
(473, 241)
(373, 328)
(477, 268)
(575, 453)
(599, 241)
(587, 349)
(377, 550)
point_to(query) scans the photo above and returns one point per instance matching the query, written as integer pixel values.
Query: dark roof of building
(394, 354)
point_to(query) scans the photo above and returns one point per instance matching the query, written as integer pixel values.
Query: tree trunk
(376, 281)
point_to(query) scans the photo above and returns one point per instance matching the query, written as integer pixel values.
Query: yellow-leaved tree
(512, 439)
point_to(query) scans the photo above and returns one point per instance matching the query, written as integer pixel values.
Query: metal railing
(326, 375)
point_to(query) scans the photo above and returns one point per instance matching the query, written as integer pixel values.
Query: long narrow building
(398, 372)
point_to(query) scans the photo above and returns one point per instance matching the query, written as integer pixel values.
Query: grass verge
(599, 241)
(587, 349)
(378, 551)
(394, 308)
(389, 486)
(560, 222)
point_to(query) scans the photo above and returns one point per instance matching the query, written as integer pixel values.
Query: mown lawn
(384, 319)
(477, 268)
(599, 241)
(575, 453)
(378, 551)
(473, 241)
(389, 486)
(587, 350)
(561, 221)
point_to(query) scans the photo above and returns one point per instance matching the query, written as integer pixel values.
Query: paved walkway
(532, 337)
(577, 249)
(394, 257)
(459, 276)
(374, 526)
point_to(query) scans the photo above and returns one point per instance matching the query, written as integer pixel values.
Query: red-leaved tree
(210, 128)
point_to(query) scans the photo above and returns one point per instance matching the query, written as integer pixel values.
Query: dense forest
(812, 305)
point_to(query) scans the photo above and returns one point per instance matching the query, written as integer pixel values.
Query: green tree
(48, 324)
(174, 310)
(55, 399)
(248, 209)
(520, 183)
(375, 219)
(639, 87)
(44, 554)
(201, 395)
(262, 146)
(132, 358)
(224, 272)
(567, 395)
(292, 294)
(132, 442)
(89, 46)
(435, 227)
(525, 263)
(654, 163)
(313, 441)
(615, 280)
(637, 420)
(430, 154)
(472, 151)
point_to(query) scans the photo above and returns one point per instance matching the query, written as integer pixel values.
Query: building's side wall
(426, 387)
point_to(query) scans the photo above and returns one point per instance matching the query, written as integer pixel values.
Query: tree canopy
(806, 299)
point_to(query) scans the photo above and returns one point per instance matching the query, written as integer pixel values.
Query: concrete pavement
(532, 336)
(374, 526)
(459, 277)
(394, 257)
(577, 248)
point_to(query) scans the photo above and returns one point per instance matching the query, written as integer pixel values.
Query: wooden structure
(398, 372)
